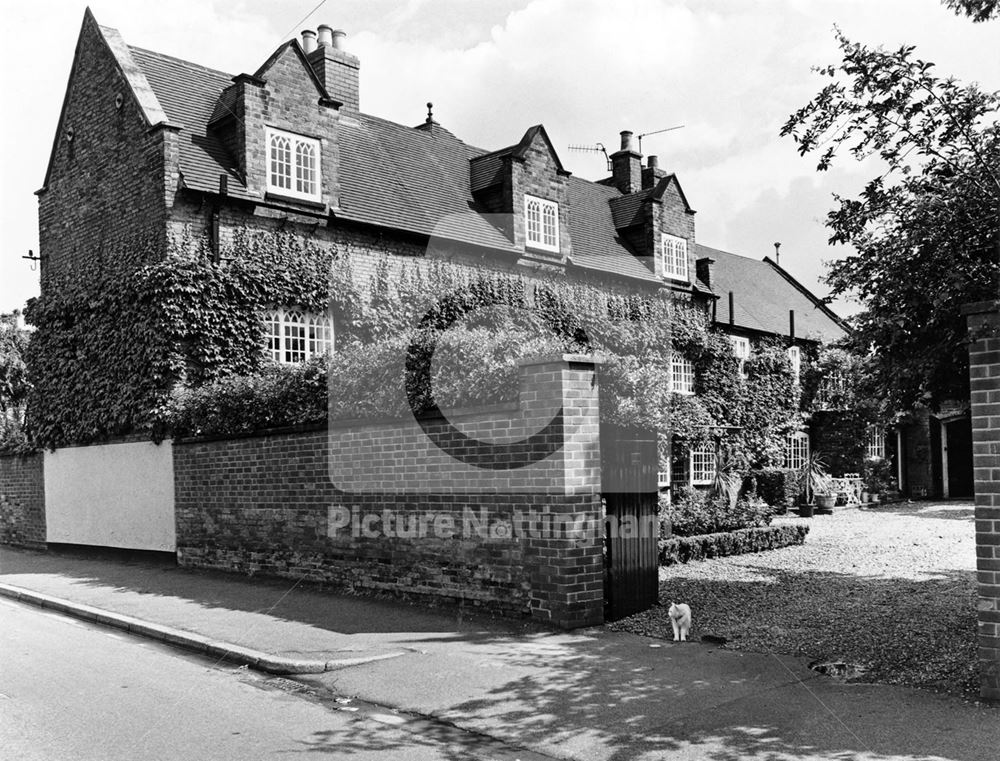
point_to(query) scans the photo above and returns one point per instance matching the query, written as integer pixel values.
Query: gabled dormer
(280, 125)
(653, 215)
(528, 182)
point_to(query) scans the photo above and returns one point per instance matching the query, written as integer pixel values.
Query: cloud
(729, 70)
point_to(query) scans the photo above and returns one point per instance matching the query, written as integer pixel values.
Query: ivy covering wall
(176, 346)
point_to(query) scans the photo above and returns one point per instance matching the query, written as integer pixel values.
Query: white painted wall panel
(111, 495)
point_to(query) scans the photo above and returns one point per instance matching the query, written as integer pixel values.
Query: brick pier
(984, 372)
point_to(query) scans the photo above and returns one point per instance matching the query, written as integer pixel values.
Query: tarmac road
(73, 691)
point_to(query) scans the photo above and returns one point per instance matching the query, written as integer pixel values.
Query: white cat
(680, 619)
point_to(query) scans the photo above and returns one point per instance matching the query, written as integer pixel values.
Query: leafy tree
(977, 10)
(14, 385)
(925, 229)
(13, 373)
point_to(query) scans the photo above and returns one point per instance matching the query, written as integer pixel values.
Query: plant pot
(864, 497)
(874, 498)
(805, 511)
(826, 501)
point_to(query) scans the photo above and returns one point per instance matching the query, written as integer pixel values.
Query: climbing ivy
(173, 344)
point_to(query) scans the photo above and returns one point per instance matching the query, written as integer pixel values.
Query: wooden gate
(631, 527)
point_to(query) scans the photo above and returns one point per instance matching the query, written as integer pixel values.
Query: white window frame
(741, 350)
(674, 258)
(296, 173)
(795, 357)
(875, 445)
(702, 464)
(681, 374)
(294, 335)
(796, 449)
(541, 223)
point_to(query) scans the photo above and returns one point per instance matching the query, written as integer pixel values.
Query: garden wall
(22, 500)
(984, 373)
(380, 506)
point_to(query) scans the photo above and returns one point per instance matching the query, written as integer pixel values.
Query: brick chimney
(651, 173)
(626, 165)
(703, 269)
(336, 68)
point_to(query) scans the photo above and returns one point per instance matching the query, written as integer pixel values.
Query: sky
(729, 71)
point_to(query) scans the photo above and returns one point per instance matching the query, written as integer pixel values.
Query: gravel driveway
(891, 590)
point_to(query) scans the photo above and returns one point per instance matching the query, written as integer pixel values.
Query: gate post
(565, 567)
(984, 375)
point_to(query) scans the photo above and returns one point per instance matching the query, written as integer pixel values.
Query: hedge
(779, 487)
(683, 549)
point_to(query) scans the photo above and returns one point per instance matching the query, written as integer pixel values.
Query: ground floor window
(295, 335)
(693, 467)
(796, 450)
(875, 449)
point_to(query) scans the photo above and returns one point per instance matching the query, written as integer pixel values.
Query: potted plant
(816, 483)
(878, 478)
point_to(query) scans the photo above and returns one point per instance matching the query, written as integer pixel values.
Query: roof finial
(430, 112)
(777, 254)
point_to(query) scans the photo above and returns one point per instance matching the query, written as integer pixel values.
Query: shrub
(683, 549)
(694, 513)
(778, 487)
(13, 439)
(275, 397)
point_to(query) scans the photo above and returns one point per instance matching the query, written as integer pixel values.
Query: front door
(960, 477)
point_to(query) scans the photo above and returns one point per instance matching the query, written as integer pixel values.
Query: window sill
(286, 199)
(535, 248)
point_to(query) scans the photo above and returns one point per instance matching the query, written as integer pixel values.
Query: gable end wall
(109, 183)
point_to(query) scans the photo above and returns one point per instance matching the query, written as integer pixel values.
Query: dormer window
(541, 223)
(674, 258)
(293, 165)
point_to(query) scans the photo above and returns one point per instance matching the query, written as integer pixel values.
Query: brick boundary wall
(984, 374)
(266, 504)
(22, 500)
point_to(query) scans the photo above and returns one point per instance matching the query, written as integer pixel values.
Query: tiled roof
(188, 93)
(762, 295)
(595, 240)
(627, 210)
(416, 180)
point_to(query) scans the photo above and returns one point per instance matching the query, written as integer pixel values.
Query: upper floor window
(741, 350)
(295, 336)
(795, 357)
(681, 375)
(541, 223)
(875, 448)
(796, 450)
(674, 257)
(293, 165)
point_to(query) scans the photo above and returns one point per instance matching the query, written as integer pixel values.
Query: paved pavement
(590, 694)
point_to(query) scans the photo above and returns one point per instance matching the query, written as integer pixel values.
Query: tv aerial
(595, 148)
(656, 132)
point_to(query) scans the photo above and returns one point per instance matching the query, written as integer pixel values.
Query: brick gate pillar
(984, 373)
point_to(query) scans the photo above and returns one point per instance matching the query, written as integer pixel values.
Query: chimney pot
(627, 142)
(338, 39)
(308, 41)
(653, 162)
(325, 36)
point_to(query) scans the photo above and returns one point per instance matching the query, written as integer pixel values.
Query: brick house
(152, 145)
(157, 162)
